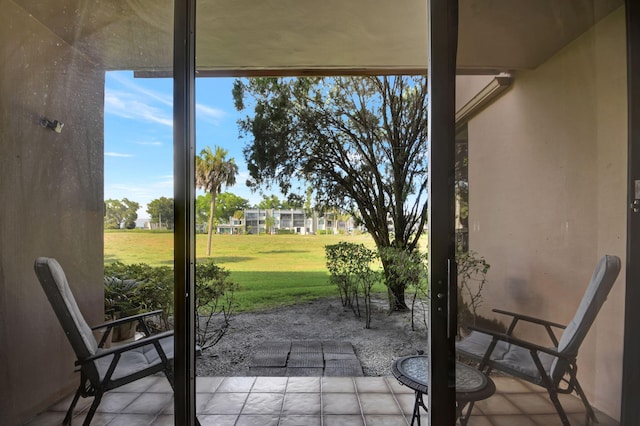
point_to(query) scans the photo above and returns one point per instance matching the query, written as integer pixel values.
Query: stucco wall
(51, 187)
(547, 175)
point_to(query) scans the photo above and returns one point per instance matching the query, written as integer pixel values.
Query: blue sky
(139, 135)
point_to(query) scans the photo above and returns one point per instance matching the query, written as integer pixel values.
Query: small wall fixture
(54, 125)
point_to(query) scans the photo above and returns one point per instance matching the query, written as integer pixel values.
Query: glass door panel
(86, 147)
(541, 190)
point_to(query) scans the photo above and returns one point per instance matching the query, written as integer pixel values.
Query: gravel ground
(389, 337)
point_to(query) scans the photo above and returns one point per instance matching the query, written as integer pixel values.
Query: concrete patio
(309, 401)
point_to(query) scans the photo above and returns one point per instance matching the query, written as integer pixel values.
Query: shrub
(134, 288)
(153, 288)
(350, 267)
(472, 276)
(410, 267)
(214, 302)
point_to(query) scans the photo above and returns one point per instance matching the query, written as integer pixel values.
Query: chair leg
(556, 403)
(590, 415)
(93, 408)
(69, 415)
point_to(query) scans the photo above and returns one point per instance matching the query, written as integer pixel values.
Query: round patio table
(471, 384)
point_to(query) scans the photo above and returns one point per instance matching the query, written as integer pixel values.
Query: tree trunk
(395, 289)
(396, 295)
(212, 210)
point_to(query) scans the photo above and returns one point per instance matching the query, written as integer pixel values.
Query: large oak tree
(359, 141)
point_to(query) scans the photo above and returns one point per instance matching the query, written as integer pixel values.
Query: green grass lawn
(272, 270)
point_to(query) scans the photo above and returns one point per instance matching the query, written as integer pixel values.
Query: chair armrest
(522, 343)
(126, 347)
(529, 318)
(127, 319)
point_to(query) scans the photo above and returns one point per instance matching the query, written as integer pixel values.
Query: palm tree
(213, 171)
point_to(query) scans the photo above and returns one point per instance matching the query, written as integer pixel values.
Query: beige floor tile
(379, 403)
(340, 403)
(141, 385)
(217, 420)
(132, 420)
(531, 403)
(371, 384)
(406, 402)
(338, 384)
(342, 420)
(497, 405)
(301, 404)
(571, 404)
(303, 384)
(476, 420)
(208, 384)
(236, 384)
(116, 402)
(510, 385)
(164, 420)
(270, 384)
(258, 420)
(263, 403)
(296, 420)
(385, 420)
(149, 403)
(397, 387)
(511, 420)
(225, 403)
(547, 419)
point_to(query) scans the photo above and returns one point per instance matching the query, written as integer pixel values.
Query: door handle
(452, 298)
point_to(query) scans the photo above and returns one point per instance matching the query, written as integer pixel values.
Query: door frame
(630, 409)
(442, 22)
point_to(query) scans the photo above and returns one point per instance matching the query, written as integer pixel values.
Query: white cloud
(150, 143)
(117, 154)
(209, 114)
(135, 107)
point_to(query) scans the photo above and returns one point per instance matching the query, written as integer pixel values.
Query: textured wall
(547, 175)
(51, 187)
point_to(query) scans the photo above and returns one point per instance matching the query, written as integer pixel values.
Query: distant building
(293, 221)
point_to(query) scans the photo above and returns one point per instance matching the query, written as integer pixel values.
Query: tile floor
(309, 401)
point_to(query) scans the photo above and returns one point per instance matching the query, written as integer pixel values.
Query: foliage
(358, 141)
(472, 276)
(119, 213)
(214, 302)
(412, 268)
(212, 172)
(270, 202)
(350, 267)
(120, 297)
(228, 204)
(134, 288)
(153, 288)
(161, 211)
(203, 204)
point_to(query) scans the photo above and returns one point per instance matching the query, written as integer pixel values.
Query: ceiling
(329, 36)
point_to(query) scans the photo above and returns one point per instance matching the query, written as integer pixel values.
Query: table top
(471, 384)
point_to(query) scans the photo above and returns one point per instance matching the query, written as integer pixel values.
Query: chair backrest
(602, 280)
(55, 285)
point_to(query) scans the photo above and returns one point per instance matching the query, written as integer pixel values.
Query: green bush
(130, 289)
(215, 293)
(410, 267)
(350, 267)
(149, 288)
